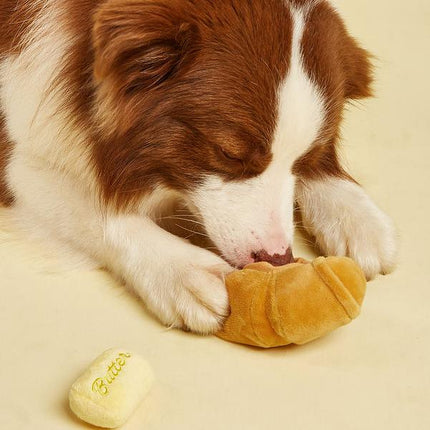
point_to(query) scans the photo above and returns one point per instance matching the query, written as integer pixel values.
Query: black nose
(276, 259)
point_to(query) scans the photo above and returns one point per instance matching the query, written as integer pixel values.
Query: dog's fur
(112, 111)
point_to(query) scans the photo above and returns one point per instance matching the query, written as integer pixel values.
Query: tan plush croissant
(297, 303)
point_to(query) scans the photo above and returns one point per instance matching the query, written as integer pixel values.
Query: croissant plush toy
(292, 304)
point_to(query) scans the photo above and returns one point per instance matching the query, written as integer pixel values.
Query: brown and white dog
(111, 111)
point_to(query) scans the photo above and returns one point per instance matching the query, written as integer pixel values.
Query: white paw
(370, 241)
(347, 222)
(193, 295)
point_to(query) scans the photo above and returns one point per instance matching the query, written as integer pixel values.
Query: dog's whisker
(192, 231)
(181, 218)
(185, 220)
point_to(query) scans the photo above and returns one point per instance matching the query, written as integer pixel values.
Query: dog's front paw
(373, 244)
(346, 222)
(201, 299)
(367, 237)
(194, 296)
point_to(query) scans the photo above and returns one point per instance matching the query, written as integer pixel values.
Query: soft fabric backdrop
(373, 374)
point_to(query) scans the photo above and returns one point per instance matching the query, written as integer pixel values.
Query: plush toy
(111, 389)
(297, 303)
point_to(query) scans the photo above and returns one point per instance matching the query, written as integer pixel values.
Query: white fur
(48, 157)
(249, 216)
(345, 221)
(301, 105)
(56, 195)
(182, 284)
(33, 122)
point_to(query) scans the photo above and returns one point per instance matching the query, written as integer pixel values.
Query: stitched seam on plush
(323, 276)
(254, 331)
(273, 287)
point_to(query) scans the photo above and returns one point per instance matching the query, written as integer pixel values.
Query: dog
(113, 112)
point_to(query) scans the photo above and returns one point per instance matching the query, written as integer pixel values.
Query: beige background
(373, 374)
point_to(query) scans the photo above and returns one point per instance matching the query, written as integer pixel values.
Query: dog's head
(226, 102)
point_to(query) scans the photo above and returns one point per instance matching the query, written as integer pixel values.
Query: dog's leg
(345, 221)
(183, 285)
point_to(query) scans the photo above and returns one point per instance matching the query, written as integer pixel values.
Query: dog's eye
(230, 156)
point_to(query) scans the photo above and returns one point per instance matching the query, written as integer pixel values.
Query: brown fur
(197, 91)
(15, 20)
(6, 197)
(16, 17)
(171, 90)
(342, 70)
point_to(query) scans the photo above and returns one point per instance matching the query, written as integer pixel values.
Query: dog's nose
(275, 259)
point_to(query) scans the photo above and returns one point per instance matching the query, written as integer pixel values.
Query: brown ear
(139, 43)
(357, 67)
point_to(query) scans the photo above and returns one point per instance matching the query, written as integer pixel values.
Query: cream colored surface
(373, 374)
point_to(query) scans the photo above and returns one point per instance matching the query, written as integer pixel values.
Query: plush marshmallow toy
(297, 303)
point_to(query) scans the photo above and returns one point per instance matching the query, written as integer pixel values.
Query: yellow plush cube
(111, 389)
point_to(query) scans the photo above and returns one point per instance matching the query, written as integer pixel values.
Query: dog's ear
(139, 43)
(357, 67)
